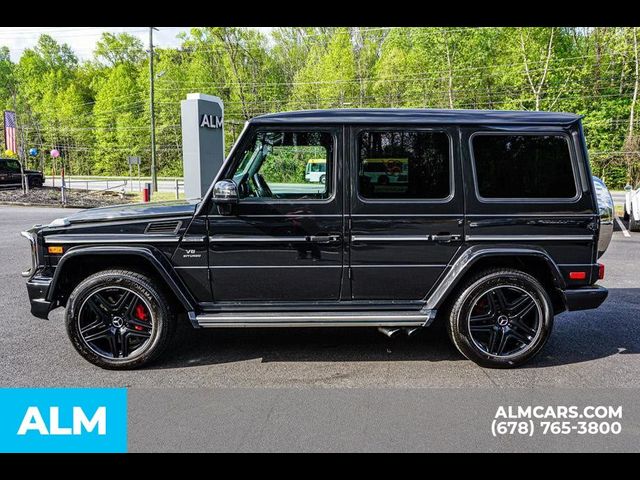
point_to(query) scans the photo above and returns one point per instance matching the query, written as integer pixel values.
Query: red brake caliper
(140, 314)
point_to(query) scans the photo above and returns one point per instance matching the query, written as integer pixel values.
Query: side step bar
(413, 318)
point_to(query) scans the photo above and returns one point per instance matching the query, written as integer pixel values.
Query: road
(598, 349)
(116, 184)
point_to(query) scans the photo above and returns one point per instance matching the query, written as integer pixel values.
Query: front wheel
(634, 225)
(117, 319)
(501, 318)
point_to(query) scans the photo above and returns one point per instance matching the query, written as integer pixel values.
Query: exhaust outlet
(411, 330)
(389, 332)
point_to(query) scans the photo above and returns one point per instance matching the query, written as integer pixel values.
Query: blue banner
(63, 420)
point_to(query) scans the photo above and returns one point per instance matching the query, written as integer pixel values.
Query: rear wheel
(323, 179)
(118, 319)
(501, 318)
(35, 183)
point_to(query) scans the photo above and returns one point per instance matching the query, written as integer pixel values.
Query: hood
(133, 211)
(32, 172)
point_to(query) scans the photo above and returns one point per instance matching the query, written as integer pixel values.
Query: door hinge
(349, 273)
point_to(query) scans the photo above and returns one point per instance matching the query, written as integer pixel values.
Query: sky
(83, 39)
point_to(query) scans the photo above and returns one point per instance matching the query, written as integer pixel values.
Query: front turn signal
(54, 250)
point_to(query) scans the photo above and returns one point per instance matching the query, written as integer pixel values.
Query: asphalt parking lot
(599, 348)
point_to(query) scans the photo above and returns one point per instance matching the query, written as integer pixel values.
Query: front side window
(286, 165)
(404, 165)
(523, 166)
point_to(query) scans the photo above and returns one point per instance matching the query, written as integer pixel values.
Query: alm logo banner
(57, 420)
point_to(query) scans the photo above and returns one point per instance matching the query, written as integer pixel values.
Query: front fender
(150, 254)
(469, 257)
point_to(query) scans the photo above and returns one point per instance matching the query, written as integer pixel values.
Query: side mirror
(628, 188)
(225, 196)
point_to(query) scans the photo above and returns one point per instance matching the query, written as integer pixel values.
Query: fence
(175, 186)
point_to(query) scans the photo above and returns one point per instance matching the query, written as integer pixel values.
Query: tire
(634, 225)
(118, 319)
(323, 179)
(498, 323)
(35, 183)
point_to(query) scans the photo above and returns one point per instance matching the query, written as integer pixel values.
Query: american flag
(10, 139)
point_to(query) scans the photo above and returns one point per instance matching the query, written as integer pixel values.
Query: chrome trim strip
(509, 238)
(274, 266)
(315, 320)
(515, 215)
(238, 324)
(400, 265)
(286, 215)
(194, 238)
(109, 238)
(31, 235)
(452, 215)
(390, 238)
(248, 238)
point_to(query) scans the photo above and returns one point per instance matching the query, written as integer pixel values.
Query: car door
(14, 175)
(283, 241)
(406, 210)
(4, 173)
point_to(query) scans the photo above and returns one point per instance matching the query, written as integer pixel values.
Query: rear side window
(523, 166)
(404, 165)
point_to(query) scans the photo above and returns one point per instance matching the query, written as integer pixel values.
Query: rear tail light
(600, 271)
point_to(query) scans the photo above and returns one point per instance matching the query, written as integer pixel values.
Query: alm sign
(210, 121)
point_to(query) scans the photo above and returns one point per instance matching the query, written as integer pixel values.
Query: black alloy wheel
(504, 321)
(115, 322)
(119, 319)
(500, 318)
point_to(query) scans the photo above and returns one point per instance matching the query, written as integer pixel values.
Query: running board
(413, 318)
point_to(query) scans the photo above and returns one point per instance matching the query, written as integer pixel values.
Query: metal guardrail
(111, 184)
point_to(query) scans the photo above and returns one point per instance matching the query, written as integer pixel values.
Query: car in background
(11, 174)
(632, 207)
(316, 170)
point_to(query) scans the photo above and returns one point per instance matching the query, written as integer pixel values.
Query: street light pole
(154, 173)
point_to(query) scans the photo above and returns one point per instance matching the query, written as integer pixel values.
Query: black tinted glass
(404, 164)
(523, 166)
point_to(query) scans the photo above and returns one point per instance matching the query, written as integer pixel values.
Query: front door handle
(445, 238)
(323, 238)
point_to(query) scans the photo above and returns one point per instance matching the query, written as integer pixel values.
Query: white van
(316, 170)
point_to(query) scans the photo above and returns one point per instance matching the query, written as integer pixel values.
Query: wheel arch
(532, 260)
(80, 262)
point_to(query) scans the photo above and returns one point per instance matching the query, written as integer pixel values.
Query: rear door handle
(445, 238)
(323, 238)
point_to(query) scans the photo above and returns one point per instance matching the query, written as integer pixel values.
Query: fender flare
(455, 272)
(149, 253)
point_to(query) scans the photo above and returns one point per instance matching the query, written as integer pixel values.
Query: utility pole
(154, 173)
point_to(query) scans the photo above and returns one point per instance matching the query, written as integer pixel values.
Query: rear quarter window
(523, 166)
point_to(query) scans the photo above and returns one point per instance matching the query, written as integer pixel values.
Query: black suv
(11, 174)
(485, 220)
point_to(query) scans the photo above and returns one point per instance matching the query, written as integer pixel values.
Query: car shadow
(612, 329)
(578, 337)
